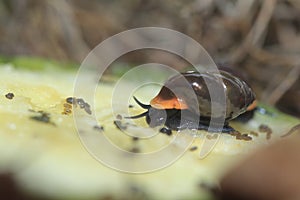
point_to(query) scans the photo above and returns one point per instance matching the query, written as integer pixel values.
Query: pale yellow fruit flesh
(49, 160)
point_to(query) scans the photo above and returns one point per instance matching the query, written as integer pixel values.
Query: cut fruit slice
(40, 145)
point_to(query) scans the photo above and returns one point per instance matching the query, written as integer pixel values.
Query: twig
(265, 56)
(292, 130)
(257, 31)
(71, 31)
(274, 96)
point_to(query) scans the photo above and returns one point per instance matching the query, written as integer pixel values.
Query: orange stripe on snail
(174, 103)
(252, 106)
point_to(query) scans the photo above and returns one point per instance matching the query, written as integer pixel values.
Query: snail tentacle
(141, 104)
(137, 116)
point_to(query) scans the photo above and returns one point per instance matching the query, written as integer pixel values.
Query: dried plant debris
(10, 95)
(80, 102)
(211, 136)
(119, 117)
(42, 116)
(166, 131)
(83, 105)
(98, 128)
(193, 148)
(71, 100)
(265, 129)
(67, 109)
(253, 133)
(119, 125)
(240, 136)
(76, 102)
(244, 136)
(135, 150)
(294, 129)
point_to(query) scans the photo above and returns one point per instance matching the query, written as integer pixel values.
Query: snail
(184, 101)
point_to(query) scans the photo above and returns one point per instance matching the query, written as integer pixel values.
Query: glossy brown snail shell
(175, 95)
(185, 101)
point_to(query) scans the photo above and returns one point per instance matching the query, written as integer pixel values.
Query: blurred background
(259, 38)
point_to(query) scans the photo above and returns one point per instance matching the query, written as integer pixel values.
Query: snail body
(194, 100)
